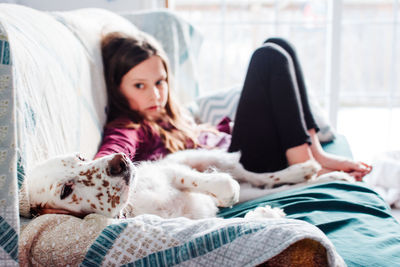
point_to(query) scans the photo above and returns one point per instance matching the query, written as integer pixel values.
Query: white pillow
(88, 25)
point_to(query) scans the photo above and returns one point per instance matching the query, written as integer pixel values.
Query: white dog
(190, 183)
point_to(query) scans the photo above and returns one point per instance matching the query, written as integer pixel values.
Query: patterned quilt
(148, 240)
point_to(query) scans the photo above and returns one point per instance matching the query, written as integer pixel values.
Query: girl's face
(145, 87)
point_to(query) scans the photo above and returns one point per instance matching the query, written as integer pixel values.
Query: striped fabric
(103, 243)
(149, 240)
(4, 52)
(196, 247)
(8, 239)
(214, 107)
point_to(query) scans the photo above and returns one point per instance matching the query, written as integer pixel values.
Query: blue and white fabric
(148, 240)
(9, 214)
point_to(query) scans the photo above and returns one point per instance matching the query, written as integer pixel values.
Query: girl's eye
(160, 82)
(139, 85)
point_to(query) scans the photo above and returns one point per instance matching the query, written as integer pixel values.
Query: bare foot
(332, 163)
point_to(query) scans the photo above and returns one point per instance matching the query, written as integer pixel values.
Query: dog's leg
(221, 186)
(199, 206)
(333, 176)
(249, 192)
(229, 162)
(297, 173)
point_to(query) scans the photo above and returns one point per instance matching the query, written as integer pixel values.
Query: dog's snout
(118, 164)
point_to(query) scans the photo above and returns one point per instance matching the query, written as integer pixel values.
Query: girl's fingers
(357, 175)
(369, 167)
(363, 167)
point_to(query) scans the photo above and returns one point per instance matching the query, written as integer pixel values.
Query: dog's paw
(265, 212)
(310, 169)
(225, 190)
(305, 171)
(335, 176)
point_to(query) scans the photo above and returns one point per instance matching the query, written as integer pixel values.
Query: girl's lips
(153, 108)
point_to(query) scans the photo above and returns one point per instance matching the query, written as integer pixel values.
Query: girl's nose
(156, 93)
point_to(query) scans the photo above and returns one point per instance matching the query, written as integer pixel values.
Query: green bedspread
(355, 219)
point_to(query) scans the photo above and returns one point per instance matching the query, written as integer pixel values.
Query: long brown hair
(120, 54)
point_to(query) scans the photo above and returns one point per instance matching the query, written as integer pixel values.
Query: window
(369, 38)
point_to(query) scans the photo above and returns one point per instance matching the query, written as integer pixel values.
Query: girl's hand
(357, 169)
(363, 170)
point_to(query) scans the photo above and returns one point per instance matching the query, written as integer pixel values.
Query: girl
(274, 127)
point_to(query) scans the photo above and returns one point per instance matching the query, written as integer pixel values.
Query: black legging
(273, 114)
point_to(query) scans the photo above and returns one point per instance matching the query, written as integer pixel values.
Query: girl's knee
(285, 44)
(278, 41)
(270, 55)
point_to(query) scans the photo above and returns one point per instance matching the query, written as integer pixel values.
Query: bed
(53, 102)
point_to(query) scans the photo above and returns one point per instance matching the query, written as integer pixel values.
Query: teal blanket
(354, 217)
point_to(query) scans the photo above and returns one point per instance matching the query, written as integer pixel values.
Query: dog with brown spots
(190, 183)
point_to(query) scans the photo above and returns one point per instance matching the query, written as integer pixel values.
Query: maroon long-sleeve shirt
(144, 144)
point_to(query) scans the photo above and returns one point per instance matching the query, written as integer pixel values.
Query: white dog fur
(190, 183)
